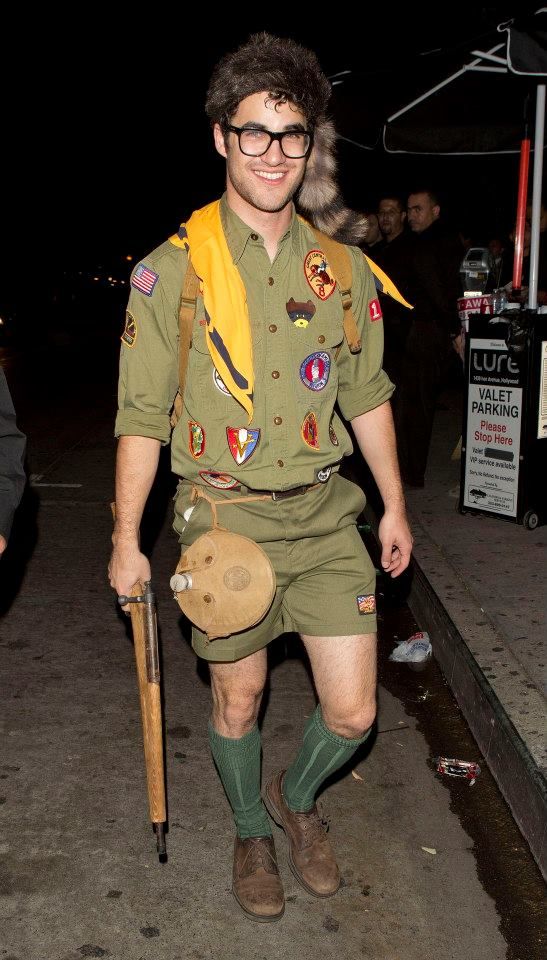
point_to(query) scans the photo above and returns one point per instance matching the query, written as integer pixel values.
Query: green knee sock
(322, 753)
(238, 764)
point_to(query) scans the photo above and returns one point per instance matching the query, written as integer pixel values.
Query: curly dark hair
(288, 71)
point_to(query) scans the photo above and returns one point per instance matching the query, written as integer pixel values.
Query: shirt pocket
(316, 383)
(205, 395)
(314, 358)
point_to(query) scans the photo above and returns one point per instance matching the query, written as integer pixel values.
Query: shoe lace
(259, 856)
(314, 825)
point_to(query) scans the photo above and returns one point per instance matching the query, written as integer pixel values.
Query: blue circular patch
(315, 370)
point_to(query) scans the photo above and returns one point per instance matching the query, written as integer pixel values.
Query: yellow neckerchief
(228, 329)
(385, 285)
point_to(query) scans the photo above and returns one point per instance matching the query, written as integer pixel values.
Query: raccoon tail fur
(319, 198)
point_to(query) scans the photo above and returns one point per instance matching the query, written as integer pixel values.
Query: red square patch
(375, 310)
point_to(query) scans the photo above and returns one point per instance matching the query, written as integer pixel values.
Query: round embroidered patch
(219, 383)
(315, 370)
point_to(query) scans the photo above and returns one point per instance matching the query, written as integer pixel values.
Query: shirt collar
(238, 234)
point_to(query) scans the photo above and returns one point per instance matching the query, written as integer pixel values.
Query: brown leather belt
(285, 494)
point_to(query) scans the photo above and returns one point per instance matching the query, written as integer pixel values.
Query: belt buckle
(285, 494)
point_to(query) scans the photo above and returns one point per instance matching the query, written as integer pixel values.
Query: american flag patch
(144, 280)
(366, 604)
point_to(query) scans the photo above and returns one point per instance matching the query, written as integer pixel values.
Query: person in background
(434, 273)
(395, 258)
(502, 260)
(12, 458)
(373, 238)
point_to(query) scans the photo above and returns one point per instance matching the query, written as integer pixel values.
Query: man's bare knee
(235, 712)
(236, 691)
(352, 725)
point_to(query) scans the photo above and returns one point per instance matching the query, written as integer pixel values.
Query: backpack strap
(340, 261)
(187, 313)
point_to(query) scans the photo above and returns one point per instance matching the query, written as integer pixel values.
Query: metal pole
(521, 213)
(536, 197)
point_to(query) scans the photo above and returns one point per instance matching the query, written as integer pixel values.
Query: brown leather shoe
(310, 854)
(256, 882)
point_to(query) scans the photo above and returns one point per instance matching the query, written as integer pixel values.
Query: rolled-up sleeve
(362, 383)
(148, 378)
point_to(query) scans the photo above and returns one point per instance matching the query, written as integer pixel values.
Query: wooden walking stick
(145, 640)
(145, 643)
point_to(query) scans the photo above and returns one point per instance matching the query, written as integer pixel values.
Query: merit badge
(196, 439)
(144, 279)
(129, 334)
(318, 274)
(375, 310)
(242, 443)
(314, 371)
(333, 437)
(323, 474)
(222, 481)
(310, 430)
(366, 604)
(219, 383)
(300, 313)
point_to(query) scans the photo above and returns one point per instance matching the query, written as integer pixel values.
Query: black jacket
(435, 277)
(12, 457)
(396, 259)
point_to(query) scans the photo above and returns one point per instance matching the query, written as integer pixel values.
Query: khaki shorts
(325, 578)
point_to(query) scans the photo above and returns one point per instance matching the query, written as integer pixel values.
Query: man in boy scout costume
(259, 436)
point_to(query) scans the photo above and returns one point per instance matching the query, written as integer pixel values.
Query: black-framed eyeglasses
(254, 141)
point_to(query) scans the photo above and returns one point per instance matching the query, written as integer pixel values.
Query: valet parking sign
(494, 416)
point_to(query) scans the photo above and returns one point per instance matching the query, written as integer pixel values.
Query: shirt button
(272, 328)
(321, 339)
(254, 236)
(278, 420)
(275, 374)
(280, 463)
(271, 281)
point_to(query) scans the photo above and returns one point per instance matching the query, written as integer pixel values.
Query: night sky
(111, 149)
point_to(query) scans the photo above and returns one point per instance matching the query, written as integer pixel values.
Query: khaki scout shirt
(296, 436)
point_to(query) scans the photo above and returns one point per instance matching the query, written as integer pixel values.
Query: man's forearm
(375, 434)
(136, 466)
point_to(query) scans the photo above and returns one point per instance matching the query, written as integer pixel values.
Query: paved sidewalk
(479, 589)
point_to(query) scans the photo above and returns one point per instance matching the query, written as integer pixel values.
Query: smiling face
(267, 183)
